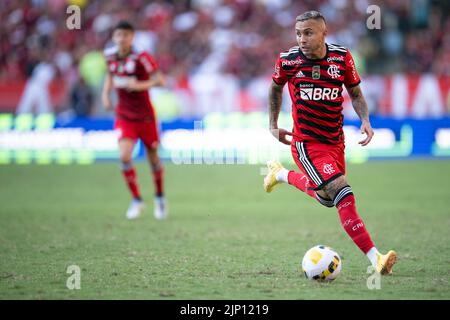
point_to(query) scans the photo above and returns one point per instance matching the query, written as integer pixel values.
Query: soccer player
(132, 74)
(315, 72)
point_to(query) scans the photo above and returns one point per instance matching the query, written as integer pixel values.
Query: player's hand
(366, 128)
(281, 134)
(134, 85)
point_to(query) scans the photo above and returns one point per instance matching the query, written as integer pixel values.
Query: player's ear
(323, 27)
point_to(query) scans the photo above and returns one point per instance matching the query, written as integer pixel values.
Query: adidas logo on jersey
(319, 93)
(299, 74)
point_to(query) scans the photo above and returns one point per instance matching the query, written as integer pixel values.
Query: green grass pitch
(225, 239)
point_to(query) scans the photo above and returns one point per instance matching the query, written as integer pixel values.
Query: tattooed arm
(275, 98)
(360, 106)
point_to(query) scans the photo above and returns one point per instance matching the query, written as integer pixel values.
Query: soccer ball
(321, 263)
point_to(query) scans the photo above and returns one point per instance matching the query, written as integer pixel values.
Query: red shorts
(321, 163)
(146, 131)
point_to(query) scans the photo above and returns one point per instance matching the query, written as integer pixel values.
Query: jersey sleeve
(148, 63)
(351, 78)
(108, 56)
(279, 75)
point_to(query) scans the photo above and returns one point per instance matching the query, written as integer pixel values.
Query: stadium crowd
(235, 37)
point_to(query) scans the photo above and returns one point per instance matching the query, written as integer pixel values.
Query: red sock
(130, 177)
(158, 180)
(300, 181)
(351, 221)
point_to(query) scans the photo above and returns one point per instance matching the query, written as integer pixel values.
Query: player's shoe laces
(270, 180)
(135, 209)
(385, 262)
(161, 211)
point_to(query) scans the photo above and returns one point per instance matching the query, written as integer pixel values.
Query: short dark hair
(123, 25)
(315, 15)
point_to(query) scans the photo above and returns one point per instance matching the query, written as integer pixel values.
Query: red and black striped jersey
(315, 87)
(132, 105)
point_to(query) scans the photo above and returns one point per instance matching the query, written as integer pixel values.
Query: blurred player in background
(132, 74)
(315, 72)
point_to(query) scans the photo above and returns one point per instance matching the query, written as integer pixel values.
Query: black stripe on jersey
(320, 108)
(319, 117)
(335, 104)
(313, 124)
(319, 137)
(291, 70)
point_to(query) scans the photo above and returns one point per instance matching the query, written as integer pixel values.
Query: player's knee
(327, 202)
(152, 151)
(333, 187)
(125, 166)
(125, 159)
(153, 156)
(341, 194)
(157, 166)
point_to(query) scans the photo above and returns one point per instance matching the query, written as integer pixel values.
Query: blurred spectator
(36, 98)
(81, 99)
(248, 33)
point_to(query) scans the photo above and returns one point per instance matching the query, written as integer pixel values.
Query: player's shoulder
(146, 60)
(337, 49)
(143, 55)
(110, 53)
(290, 53)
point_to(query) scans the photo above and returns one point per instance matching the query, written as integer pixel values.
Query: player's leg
(150, 137)
(306, 180)
(160, 210)
(127, 139)
(344, 200)
(126, 146)
(157, 169)
(277, 174)
(310, 158)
